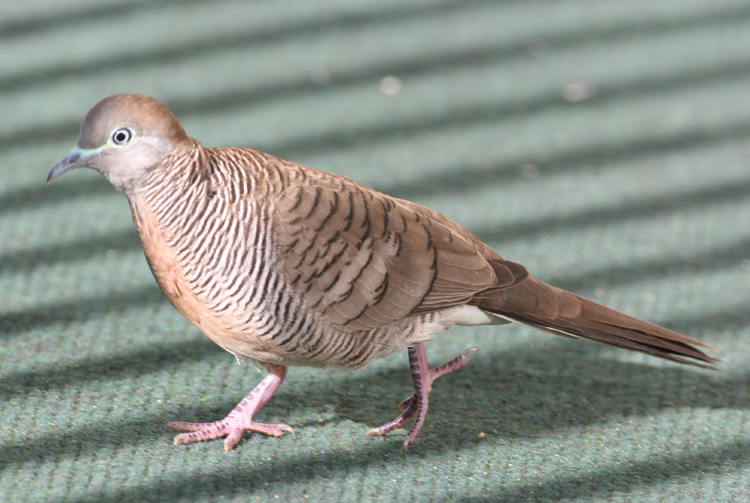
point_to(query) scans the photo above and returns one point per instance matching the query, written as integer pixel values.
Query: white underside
(472, 316)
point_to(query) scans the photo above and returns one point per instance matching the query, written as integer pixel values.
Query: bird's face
(123, 137)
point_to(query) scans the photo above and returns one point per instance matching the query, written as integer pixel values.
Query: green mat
(604, 145)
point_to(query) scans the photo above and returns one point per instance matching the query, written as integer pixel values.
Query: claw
(228, 427)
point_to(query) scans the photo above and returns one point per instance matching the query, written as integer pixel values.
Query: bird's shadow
(519, 393)
(534, 394)
(513, 394)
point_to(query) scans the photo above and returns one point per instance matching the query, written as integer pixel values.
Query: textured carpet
(604, 145)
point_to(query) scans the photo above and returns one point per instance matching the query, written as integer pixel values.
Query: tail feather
(545, 307)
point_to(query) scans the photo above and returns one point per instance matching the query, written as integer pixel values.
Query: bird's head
(123, 137)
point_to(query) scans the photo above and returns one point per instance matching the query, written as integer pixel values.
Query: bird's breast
(169, 269)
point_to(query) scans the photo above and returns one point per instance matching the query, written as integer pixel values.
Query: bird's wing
(364, 260)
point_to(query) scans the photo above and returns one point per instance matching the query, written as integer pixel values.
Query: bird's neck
(176, 187)
(184, 166)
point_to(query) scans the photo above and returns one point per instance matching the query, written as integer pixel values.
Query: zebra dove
(286, 265)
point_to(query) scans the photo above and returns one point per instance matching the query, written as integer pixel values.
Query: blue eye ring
(122, 136)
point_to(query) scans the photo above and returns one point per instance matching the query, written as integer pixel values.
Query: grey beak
(74, 159)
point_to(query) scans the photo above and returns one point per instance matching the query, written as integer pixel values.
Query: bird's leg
(241, 417)
(418, 402)
(439, 371)
(420, 375)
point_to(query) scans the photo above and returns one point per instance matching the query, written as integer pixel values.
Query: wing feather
(364, 260)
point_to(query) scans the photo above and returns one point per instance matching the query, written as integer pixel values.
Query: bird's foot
(230, 427)
(240, 418)
(418, 402)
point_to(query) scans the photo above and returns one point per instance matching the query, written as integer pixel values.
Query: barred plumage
(210, 205)
(287, 265)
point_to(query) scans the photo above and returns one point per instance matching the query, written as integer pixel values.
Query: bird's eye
(122, 136)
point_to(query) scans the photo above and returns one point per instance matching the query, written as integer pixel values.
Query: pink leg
(417, 404)
(240, 418)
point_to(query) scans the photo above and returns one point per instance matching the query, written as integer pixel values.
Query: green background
(604, 145)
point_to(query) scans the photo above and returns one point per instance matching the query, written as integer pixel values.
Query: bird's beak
(76, 158)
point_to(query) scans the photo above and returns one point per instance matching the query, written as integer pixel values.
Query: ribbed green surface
(604, 145)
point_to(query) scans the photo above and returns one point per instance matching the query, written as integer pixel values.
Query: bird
(285, 265)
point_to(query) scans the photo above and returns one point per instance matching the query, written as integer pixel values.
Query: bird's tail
(545, 307)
